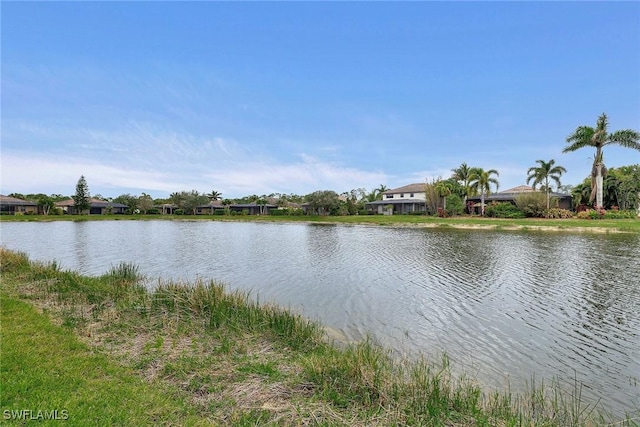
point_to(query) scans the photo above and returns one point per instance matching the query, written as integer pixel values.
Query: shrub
(219, 212)
(533, 204)
(455, 205)
(558, 213)
(179, 212)
(618, 214)
(278, 212)
(592, 214)
(153, 211)
(503, 210)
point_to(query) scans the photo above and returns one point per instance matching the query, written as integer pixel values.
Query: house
(253, 208)
(402, 200)
(96, 207)
(209, 208)
(15, 206)
(562, 201)
(166, 208)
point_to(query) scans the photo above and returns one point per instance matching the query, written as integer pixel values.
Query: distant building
(97, 207)
(407, 199)
(564, 201)
(13, 206)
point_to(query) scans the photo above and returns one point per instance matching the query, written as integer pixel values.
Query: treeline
(444, 197)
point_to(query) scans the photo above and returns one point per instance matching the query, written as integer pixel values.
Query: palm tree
(443, 189)
(481, 181)
(542, 173)
(598, 137)
(463, 175)
(214, 195)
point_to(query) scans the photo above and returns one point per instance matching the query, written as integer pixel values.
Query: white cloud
(139, 157)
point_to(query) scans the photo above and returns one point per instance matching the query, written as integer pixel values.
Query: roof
(212, 204)
(13, 201)
(95, 203)
(396, 202)
(411, 188)
(518, 189)
(512, 193)
(253, 205)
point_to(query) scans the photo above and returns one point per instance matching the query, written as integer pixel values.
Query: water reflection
(505, 305)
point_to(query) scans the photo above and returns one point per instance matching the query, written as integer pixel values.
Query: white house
(407, 199)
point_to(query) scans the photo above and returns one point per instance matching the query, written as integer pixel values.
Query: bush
(617, 214)
(592, 214)
(179, 212)
(503, 210)
(455, 205)
(219, 212)
(558, 213)
(278, 212)
(533, 204)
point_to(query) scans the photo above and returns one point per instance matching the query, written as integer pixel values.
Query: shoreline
(600, 226)
(221, 354)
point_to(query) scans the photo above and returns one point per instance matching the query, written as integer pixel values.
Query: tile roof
(13, 201)
(95, 203)
(411, 188)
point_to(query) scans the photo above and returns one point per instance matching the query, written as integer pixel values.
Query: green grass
(45, 368)
(614, 225)
(109, 352)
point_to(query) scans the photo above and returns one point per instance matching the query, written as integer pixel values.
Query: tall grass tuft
(13, 261)
(357, 375)
(124, 273)
(209, 305)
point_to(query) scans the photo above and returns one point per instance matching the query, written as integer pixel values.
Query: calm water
(503, 305)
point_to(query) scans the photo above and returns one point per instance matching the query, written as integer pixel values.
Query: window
(389, 196)
(411, 195)
(402, 195)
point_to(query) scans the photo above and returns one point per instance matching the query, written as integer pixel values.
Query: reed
(244, 363)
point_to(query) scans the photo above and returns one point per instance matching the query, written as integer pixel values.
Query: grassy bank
(105, 348)
(461, 222)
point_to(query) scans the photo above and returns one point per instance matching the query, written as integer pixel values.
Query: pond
(505, 306)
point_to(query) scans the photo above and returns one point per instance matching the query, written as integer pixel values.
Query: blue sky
(256, 98)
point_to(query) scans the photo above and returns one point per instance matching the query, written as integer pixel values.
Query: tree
(145, 202)
(323, 202)
(581, 193)
(598, 137)
(443, 189)
(481, 181)
(382, 189)
(81, 201)
(127, 199)
(542, 173)
(45, 203)
(190, 201)
(463, 175)
(214, 195)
